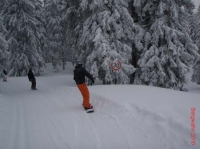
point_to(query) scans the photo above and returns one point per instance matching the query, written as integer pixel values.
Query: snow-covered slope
(126, 116)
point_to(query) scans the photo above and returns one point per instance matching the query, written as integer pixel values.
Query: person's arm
(33, 76)
(88, 75)
(74, 74)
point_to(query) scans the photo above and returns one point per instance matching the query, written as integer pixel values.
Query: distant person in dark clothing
(79, 77)
(32, 79)
(4, 71)
(4, 75)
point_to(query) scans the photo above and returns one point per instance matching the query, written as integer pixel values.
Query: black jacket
(80, 73)
(31, 75)
(4, 72)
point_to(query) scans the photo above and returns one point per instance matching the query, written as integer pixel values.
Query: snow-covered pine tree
(196, 37)
(71, 22)
(68, 32)
(196, 72)
(2, 4)
(39, 8)
(55, 32)
(193, 23)
(3, 42)
(3, 46)
(107, 34)
(169, 50)
(197, 29)
(21, 24)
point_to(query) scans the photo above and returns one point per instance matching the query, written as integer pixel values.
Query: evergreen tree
(71, 21)
(196, 37)
(40, 25)
(196, 72)
(169, 50)
(193, 26)
(2, 4)
(3, 42)
(106, 34)
(197, 28)
(22, 25)
(55, 32)
(3, 46)
(66, 52)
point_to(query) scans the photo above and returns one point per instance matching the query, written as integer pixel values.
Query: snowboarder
(79, 77)
(32, 79)
(4, 75)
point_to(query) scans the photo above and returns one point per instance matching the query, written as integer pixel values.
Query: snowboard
(89, 110)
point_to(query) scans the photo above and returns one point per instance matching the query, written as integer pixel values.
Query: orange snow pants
(85, 93)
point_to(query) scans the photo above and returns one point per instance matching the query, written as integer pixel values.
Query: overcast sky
(196, 3)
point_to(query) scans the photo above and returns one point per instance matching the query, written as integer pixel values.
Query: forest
(157, 41)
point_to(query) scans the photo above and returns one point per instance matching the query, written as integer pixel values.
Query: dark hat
(79, 62)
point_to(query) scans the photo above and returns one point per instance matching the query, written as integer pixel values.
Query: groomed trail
(52, 118)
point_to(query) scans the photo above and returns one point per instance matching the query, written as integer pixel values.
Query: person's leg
(4, 78)
(85, 93)
(34, 84)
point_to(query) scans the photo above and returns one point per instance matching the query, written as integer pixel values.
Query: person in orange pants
(86, 95)
(79, 77)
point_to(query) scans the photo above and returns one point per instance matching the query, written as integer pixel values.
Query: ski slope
(125, 117)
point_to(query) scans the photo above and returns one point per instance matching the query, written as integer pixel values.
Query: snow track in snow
(53, 118)
(146, 122)
(19, 130)
(56, 116)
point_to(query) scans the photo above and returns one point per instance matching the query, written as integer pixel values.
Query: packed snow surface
(125, 117)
